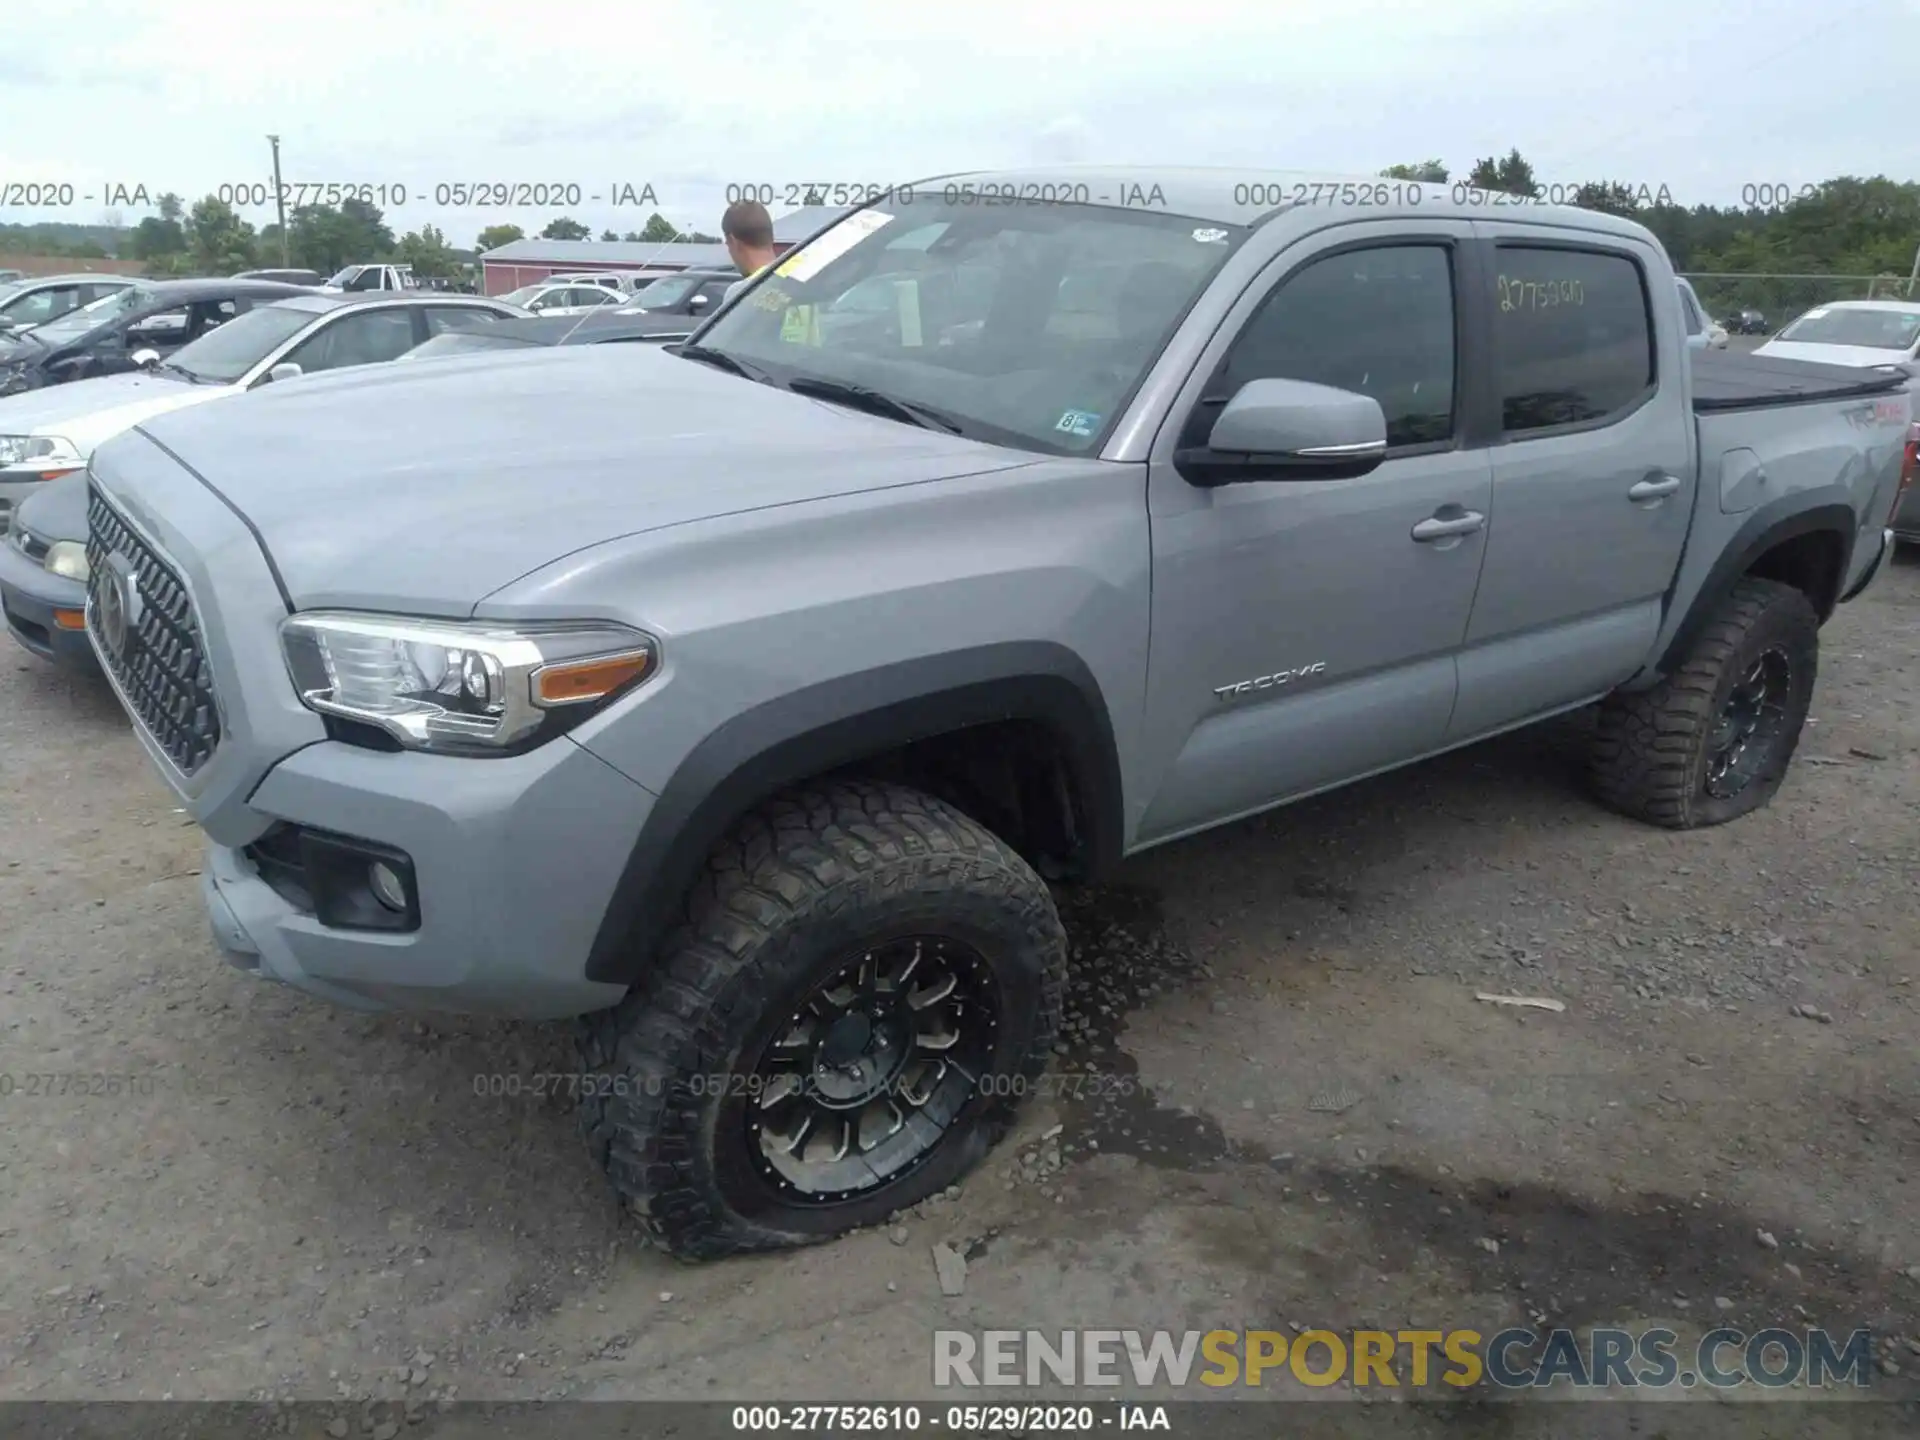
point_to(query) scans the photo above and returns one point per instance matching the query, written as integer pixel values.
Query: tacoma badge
(1269, 682)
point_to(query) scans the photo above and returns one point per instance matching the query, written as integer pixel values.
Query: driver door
(1304, 632)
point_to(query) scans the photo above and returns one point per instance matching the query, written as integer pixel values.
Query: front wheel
(867, 984)
(1712, 741)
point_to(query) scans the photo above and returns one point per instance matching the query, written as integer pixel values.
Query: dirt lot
(1306, 1117)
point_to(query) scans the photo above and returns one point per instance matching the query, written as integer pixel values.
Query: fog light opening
(386, 887)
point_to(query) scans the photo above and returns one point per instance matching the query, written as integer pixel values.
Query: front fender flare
(834, 724)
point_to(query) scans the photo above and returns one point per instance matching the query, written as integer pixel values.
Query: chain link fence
(1781, 297)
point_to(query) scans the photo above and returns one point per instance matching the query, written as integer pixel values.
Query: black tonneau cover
(1736, 380)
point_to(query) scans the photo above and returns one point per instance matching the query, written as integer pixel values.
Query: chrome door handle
(1654, 489)
(1439, 528)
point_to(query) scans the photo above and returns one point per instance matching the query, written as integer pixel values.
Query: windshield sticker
(1083, 423)
(811, 259)
(1211, 237)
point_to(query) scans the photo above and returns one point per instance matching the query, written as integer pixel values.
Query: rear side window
(1573, 339)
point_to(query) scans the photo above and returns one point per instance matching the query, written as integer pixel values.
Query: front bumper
(516, 861)
(35, 601)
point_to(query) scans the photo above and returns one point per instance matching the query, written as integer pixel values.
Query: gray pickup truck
(744, 698)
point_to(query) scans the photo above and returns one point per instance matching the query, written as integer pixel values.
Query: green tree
(562, 227)
(494, 236)
(172, 207)
(368, 228)
(1610, 197)
(609, 235)
(700, 237)
(218, 240)
(156, 236)
(1512, 175)
(659, 229)
(1432, 171)
(427, 251)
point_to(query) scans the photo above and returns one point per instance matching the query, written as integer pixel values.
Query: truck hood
(432, 485)
(1831, 354)
(89, 411)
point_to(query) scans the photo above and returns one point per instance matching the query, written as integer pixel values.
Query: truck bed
(1736, 380)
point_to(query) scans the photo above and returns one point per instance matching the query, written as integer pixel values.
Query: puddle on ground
(1120, 958)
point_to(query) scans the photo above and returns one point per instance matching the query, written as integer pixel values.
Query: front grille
(30, 545)
(161, 664)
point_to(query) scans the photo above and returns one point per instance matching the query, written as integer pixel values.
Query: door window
(1379, 321)
(44, 305)
(368, 338)
(1573, 337)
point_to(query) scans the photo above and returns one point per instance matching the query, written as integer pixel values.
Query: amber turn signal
(70, 619)
(570, 682)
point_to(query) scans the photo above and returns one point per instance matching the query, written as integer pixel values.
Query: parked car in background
(1703, 333)
(608, 279)
(133, 325)
(7, 277)
(545, 299)
(355, 278)
(53, 432)
(26, 302)
(1748, 322)
(285, 277)
(538, 332)
(744, 698)
(1852, 332)
(691, 294)
(1906, 515)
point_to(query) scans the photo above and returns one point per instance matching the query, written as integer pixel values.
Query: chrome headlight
(462, 687)
(39, 452)
(68, 558)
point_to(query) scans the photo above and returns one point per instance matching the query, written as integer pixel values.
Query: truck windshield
(1870, 329)
(1027, 324)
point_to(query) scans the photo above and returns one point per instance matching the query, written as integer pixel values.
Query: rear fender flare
(1767, 527)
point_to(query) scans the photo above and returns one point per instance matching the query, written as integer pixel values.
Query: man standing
(748, 230)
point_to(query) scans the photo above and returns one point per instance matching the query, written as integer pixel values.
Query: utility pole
(1914, 274)
(280, 200)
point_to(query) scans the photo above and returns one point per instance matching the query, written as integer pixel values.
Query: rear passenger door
(1593, 471)
(1304, 631)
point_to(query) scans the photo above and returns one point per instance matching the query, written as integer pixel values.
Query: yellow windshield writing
(1516, 294)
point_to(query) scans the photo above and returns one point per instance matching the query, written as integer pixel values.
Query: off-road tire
(1652, 749)
(800, 883)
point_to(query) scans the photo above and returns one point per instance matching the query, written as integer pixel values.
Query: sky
(1710, 100)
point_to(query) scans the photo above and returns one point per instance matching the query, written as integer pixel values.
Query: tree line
(211, 238)
(1844, 226)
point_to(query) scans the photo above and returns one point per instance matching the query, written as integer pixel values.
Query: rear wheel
(1712, 741)
(867, 983)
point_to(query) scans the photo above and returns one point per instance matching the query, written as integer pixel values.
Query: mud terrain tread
(812, 852)
(1647, 747)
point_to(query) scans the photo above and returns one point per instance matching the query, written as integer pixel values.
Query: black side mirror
(1289, 430)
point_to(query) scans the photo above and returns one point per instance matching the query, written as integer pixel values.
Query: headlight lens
(462, 687)
(68, 558)
(39, 452)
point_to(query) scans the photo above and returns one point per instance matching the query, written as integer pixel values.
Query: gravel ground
(1279, 1102)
